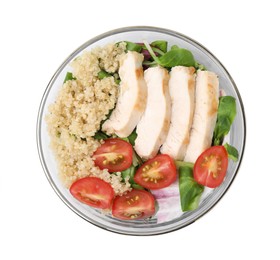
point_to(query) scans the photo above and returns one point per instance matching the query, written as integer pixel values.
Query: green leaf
(174, 47)
(149, 48)
(107, 117)
(225, 118)
(162, 45)
(221, 130)
(150, 63)
(199, 66)
(227, 107)
(232, 152)
(103, 74)
(99, 135)
(177, 57)
(131, 46)
(136, 159)
(69, 76)
(137, 186)
(129, 173)
(190, 190)
(132, 137)
(183, 164)
(118, 81)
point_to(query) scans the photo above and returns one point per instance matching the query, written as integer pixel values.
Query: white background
(36, 36)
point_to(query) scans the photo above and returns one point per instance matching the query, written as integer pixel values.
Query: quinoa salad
(138, 130)
(80, 107)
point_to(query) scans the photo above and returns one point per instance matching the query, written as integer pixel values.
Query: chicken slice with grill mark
(181, 88)
(205, 114)
(132, 99)
(154, 124)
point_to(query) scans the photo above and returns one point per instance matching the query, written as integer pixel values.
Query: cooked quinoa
(77, 113)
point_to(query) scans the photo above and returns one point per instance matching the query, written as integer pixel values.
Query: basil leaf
(225, 118)
(190, 190)
(162, 45)
(131, 46)
(99, 135)
(69, 76)
(232, 152)
(103, 74)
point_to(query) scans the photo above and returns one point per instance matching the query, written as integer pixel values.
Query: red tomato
(136, 204)
(156, 173)
(93, 192)
(115, 155)
(211, 166)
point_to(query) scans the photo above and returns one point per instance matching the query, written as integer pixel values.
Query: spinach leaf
(69, 76)
(175, 57)
(162, 45)
(132, 137)
(232, 152)
(190, 190)
(107, 117)
(183, 164)
(131, 46)
(136, 159)
(129, 173)
(137, 186)
(174, 47)
(99, 135)
(199, 66)
(225, 118)
(103, 74)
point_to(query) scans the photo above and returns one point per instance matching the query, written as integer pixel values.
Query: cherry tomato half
(136, 204)
(156, 173)
(211, 166)
(93, 192)
(115, 155)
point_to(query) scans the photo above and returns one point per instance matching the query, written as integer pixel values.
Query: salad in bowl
(141, 131)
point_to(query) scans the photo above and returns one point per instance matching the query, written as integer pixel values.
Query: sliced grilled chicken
(181, 88)
(205, 114)
(154, 124)
(132, 99)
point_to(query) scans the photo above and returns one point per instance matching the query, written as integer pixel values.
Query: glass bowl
(236, 137)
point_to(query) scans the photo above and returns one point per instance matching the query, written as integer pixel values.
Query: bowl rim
(56, 74)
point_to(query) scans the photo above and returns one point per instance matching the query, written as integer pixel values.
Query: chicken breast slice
(132, 99)
(154, 124)
(205, 114)
(181, 88)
